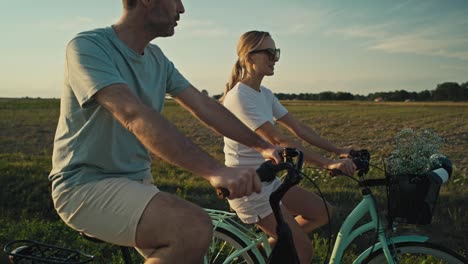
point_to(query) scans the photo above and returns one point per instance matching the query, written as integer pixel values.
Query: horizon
(360, 47)
(220, 94)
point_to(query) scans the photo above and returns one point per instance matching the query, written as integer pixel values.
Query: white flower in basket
(416, 171)
(413, 151)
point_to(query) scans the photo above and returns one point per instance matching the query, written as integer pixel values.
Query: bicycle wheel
(223, 245)
(417, 253)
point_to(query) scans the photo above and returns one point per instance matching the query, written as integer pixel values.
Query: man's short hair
(129, 4)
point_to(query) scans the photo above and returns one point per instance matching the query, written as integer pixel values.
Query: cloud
(377, 31)
(85, 20)
(201, 28)
(77, 23)
(72, 24)
(454, 67)
(432, 45)
(296, 21)
(412, 27)
(444, 40)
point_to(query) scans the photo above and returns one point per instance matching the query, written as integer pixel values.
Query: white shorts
(109, 210)
(251, 209)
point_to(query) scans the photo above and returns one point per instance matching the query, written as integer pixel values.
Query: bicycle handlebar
(360, 158)
(267, 170)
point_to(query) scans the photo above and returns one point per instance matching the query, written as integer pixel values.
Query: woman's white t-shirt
(253, 108)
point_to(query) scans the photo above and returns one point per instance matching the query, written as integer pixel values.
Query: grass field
(28, 126)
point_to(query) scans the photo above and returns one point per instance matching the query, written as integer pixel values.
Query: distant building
(378, 99)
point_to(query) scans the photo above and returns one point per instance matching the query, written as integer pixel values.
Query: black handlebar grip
(267, 171)
(334, 172)
(222, 193)
(360, 158)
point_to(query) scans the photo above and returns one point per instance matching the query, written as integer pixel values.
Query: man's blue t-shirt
(89, 143)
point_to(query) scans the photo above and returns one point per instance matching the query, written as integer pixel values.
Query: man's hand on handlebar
(238, 182)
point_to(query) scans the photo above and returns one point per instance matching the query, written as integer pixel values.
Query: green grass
(28, 127)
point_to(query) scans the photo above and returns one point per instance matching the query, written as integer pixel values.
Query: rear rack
(38, 252)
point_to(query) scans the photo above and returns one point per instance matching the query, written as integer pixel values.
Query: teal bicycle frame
(244, 240)
(228, 221)
(346, 235)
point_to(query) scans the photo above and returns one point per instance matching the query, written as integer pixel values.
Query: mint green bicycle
(234, 242)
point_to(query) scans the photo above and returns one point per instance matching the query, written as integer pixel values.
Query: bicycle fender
(391, 240)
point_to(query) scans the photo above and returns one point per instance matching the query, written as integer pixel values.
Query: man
(115, 83)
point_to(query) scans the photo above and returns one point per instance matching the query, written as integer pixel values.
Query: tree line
(447, 91)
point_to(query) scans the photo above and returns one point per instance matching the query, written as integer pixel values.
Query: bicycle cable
(328, 213)
(373, 197)
(326, 209)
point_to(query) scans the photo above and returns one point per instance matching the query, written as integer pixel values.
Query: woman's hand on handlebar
(344, 152)
(238, 182)
(272, 154)
(346, 166)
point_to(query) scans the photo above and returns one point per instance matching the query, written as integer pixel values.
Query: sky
(359, 46)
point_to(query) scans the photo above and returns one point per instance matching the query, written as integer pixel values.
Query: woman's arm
(310, 136)
(217, 117)
(274, 136)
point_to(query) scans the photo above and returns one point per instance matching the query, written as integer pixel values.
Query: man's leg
(173, 230)
(129, 213)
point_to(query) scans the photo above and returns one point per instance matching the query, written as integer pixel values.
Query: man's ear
(145, 3)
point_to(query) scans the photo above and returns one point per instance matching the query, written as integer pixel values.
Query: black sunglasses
(274, 54)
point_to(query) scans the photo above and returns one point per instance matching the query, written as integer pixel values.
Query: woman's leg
(310, 214)
(301, 239)
(308, 207)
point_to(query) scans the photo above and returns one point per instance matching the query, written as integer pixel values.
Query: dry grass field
(28, 126)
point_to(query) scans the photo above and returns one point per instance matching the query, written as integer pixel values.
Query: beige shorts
(250, 209)
(109, 210)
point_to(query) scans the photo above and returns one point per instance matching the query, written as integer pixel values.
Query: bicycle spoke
(224, 249)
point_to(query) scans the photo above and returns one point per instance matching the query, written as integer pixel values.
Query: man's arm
(160, 137)
(221, 120)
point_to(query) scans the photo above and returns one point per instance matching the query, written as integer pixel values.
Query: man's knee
(175, 228)
(201, 228)
(168, 220)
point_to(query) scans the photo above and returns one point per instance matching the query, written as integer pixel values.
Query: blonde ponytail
(248, 42)
(236, 76)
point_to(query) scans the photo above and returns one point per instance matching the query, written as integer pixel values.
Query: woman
(258, 108)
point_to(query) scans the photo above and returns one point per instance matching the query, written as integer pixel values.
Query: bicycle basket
(411, 198)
